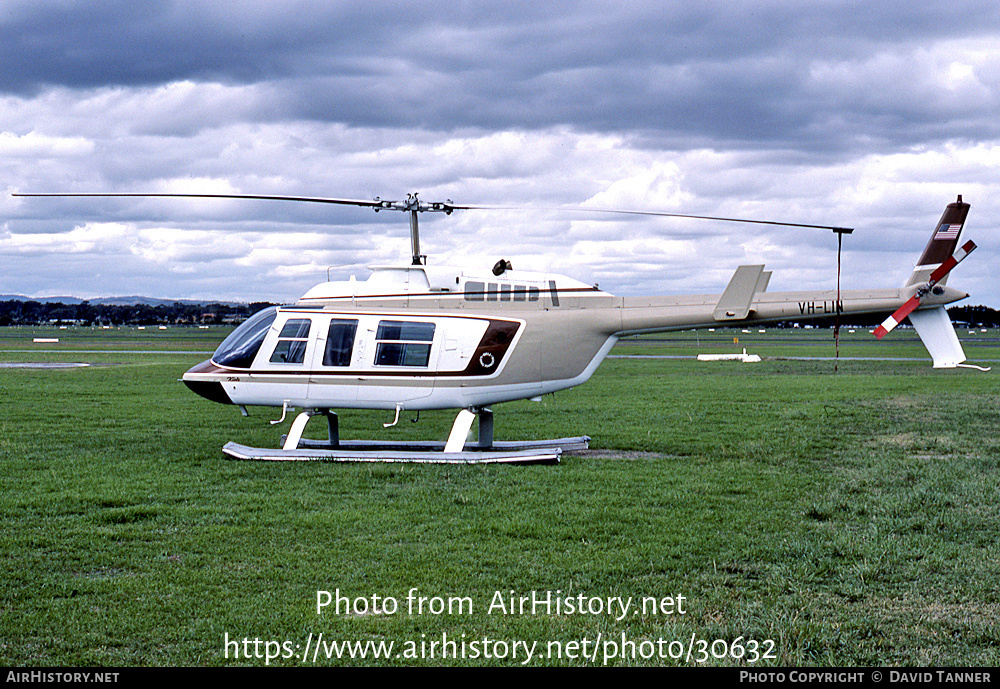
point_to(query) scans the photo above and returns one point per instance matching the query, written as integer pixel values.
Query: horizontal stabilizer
(765, 278)
(734, 305)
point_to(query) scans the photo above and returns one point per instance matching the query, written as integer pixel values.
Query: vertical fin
(942, 242)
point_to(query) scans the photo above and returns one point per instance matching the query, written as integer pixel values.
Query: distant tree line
(16, 312)
(31, 312)
(982, 316)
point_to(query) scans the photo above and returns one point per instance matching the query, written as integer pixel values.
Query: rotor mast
(418, 258)
(413, 205)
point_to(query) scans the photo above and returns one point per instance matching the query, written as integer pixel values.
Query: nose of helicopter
(205, 380)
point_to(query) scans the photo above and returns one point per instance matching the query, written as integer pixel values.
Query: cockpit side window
(239, 349)
(292, 341)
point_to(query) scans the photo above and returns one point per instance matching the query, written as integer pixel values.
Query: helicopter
(424, 337)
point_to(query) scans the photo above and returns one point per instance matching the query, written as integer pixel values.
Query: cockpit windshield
(239, 349)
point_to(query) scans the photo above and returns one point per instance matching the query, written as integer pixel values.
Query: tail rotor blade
(895, 319)
(951, 262)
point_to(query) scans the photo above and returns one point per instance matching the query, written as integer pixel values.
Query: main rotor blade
(447, 206)
(838, 230)
(584, 209)
(263, 197)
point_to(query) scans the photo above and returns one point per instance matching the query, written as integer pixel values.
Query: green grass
(849, 516)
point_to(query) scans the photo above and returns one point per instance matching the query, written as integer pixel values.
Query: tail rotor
(936, 276)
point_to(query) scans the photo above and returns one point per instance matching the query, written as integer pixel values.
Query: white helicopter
(420, 337)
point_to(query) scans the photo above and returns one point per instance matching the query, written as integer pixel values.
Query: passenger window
(403, 343)
(340, 343)
(292, 341)
(474, 291)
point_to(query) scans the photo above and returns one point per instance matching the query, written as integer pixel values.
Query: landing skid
(455, 451)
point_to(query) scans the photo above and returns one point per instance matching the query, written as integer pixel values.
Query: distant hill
(115, 301)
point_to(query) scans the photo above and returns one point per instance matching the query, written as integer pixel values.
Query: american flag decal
(947, 231)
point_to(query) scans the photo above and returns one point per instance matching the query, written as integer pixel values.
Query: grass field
(779, 513)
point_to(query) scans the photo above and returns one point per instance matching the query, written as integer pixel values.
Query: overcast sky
(860, 114)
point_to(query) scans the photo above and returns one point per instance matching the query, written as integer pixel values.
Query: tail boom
(660, 314)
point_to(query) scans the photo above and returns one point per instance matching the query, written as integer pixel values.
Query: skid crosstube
(482, 451)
